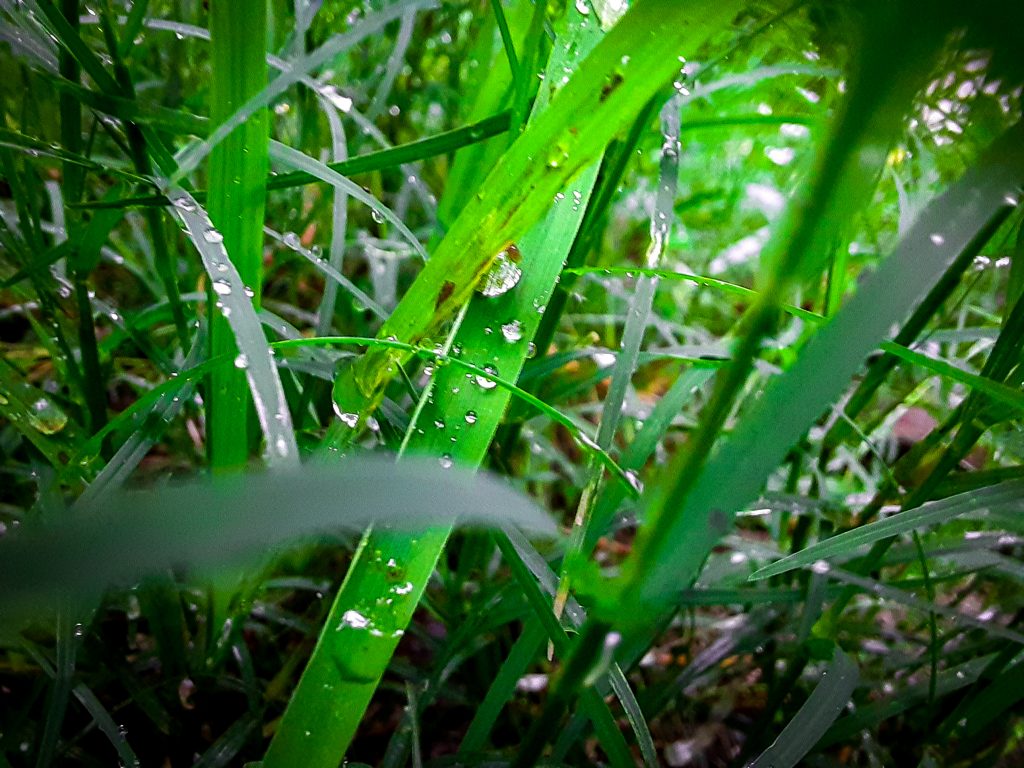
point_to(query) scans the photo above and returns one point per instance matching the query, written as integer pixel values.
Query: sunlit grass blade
(600, 100)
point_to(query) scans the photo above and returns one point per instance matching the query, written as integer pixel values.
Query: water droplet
(291, 240)
(446, 461)
(821, 567)
(483, 381)
(582, 7)
(439, 423)
(221, 287)
(340, 102)
(350, 420)
(353, 619)
(213, 236)
(242, 362)
(504, 274)
(376, 215)
(184, 203)
(471, 417)
(512, 331)
(936, 238)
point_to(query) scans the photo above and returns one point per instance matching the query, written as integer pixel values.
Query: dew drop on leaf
(503, 275)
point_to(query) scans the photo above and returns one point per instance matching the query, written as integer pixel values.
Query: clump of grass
(686, 280)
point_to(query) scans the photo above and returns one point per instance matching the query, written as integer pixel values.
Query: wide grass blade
(793, 400)
(599, 101)
(238, 169)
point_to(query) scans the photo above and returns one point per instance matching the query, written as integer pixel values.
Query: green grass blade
(815, 717)
(238, 170)
(253, 363)
(998, 392)
(255, 101)
(793, 400)
(459, 429)
(1002, 498)
(598, 102)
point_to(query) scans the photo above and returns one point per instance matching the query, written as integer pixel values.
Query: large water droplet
(221, 287)
(242, 362)
(471, 417)
(213, 236)
(47, 417)
(446, 461)
(512, 331)
(483, 381)
(504, 273)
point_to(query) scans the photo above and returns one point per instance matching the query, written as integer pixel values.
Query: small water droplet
(376, 215)
(582, 7)
(446, 461)
(291, 240)
(471, 417)
(242, 362)
(821, 567)
(184, 203)
(213, 236)
(936, 238)
(221, 287)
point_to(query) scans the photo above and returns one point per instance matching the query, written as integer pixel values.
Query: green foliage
(722, 300)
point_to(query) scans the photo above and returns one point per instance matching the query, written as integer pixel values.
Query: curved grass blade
(253, 352)
(295, 159)
(814, 718)
(1004, 498)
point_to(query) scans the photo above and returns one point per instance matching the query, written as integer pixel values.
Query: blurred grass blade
(121, 536)
(1004, 498)
(792, 400)
(997, 391)
(814, 718)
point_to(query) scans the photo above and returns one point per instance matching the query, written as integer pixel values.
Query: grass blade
(815, 717)
(1004, 498)
(249, 349)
